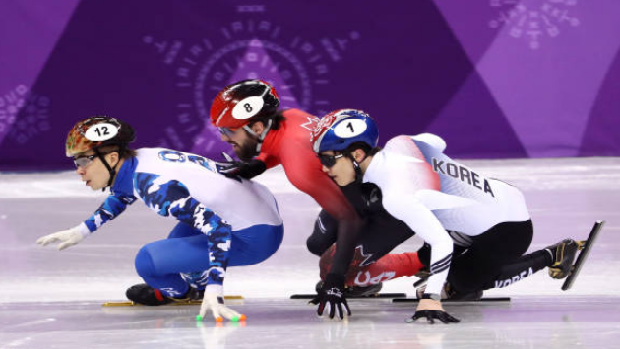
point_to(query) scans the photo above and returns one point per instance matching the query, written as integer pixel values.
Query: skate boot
(146, 295)
(195, 294)
(356, 291)
(449, 293)
(563, 255)
(363, 291)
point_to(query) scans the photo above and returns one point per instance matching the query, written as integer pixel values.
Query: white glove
(66, 237)
(214, 300)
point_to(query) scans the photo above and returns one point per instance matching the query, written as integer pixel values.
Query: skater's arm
(422, 221)
(411, 202)
(111, 208)
(331, 198)
(349, 232)
(303, 170)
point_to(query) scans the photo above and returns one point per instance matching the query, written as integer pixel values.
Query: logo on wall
(534, 22)
(299, 68)
(33, 110)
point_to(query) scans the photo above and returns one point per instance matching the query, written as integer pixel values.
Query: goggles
(85, 160)
(226, 131)
(329, 160)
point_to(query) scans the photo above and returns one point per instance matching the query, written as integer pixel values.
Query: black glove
(247, 170)
(332, 295)
(433, 314)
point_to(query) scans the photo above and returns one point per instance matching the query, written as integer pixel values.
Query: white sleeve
(432, 140)
(424, 223)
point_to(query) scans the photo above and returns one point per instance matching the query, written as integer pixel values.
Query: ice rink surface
(51, 299)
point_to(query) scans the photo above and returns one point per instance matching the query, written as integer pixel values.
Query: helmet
(238, 104)
(98, 131)
(339, 129)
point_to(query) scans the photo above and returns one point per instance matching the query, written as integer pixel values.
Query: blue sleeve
(172, 198)
(110, 209)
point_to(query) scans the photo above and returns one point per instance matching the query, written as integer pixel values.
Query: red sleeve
(303, 169)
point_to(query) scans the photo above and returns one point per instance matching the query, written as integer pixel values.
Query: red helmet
(238, 104)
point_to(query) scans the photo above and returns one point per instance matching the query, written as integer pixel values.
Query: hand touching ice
(65, 238)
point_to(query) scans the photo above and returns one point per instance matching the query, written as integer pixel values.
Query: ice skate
(195, 294)
(357, 291)
(449, 293)
(363, 291)
(146, 295)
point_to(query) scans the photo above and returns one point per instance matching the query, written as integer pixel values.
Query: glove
(66, 238)
(433, 314)
(331, 296)
(247, 170)
(214, 301)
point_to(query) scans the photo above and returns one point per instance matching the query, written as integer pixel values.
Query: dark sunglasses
(329, 160)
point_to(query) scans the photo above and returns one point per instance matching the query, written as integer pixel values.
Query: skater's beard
(247, 150)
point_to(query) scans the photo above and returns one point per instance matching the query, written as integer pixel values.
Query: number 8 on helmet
(240, 104)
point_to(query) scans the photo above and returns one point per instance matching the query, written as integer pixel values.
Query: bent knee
(315, 246)
(257, 258)
(144, 262)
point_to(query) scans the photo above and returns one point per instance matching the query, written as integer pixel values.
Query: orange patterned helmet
(98, 131)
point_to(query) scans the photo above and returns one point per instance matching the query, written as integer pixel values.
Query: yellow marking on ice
(194, 302)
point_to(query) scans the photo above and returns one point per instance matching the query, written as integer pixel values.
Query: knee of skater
(314, 247)
(259, 258)
(144, 262)
(270, 249)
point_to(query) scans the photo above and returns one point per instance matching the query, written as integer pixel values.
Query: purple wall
(495, 78)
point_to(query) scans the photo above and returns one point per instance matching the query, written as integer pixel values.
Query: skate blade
(374, 296)
(481, 300)
(188, 302)
(586, 246)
